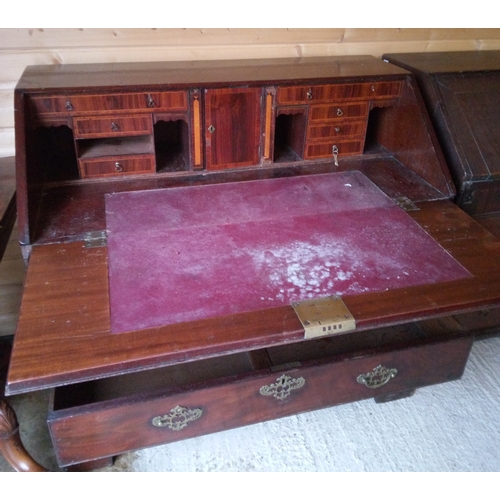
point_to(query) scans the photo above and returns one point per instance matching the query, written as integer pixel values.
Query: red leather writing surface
(188, 253)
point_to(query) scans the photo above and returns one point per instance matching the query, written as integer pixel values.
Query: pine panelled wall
(23, 47)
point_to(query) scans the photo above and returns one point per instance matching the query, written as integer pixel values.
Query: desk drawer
(112, 126)
(198, 398)
(85, 104)
(126, 165)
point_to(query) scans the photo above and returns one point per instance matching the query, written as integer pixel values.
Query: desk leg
(11, 446)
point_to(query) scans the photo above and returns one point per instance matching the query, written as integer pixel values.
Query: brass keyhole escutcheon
(178, 418)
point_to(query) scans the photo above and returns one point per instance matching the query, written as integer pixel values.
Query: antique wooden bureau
(461, 91)
(214, 244)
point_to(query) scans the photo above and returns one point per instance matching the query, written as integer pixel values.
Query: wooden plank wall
(22, 47)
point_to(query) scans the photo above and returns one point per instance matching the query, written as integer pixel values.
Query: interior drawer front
(338, 112)
(325, 149)
(333, 130)
(112, 126)
(350, 91)
(82, 104)
(112, 427)
(141, 164)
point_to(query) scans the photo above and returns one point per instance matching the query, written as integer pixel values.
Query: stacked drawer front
(339, 125)
(337, 114)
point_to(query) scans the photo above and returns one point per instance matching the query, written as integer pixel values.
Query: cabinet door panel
(232, 127)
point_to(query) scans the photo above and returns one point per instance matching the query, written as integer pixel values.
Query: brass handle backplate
(283, 386)
(378, 377)
(178, 418)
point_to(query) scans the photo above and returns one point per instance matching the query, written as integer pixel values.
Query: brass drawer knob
(283, 387)
(178, 418)
(69, 106)
(378, 377)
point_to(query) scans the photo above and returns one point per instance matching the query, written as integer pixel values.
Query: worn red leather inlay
(188, 253)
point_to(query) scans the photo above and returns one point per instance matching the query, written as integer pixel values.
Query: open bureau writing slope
(214, 244)
(461, 91)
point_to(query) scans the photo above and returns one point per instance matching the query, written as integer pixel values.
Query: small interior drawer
(338, 112)
(325, 149)
(348, 91)
(321, 131)
(125, 165)
(112, 126)
(85, 104)
(108, 417)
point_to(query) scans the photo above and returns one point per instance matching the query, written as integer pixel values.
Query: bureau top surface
(178, 73)
(448, 62)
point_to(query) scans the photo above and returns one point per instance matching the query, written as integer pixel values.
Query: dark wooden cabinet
(461, 92)
(214, 244)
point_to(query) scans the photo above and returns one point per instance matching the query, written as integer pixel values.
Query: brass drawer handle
(309, 94)
(118, 167)
(283, 386)
(114, 127)
(69, 106)
(150, 101)
(178, 418)
(378, 377)
(339, 112)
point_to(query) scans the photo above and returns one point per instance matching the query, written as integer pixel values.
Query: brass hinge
(324, 316)
(95, 239)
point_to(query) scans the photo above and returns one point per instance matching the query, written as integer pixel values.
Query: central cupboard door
(232, 127)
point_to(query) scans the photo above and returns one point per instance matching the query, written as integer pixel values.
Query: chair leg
(11, 446)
